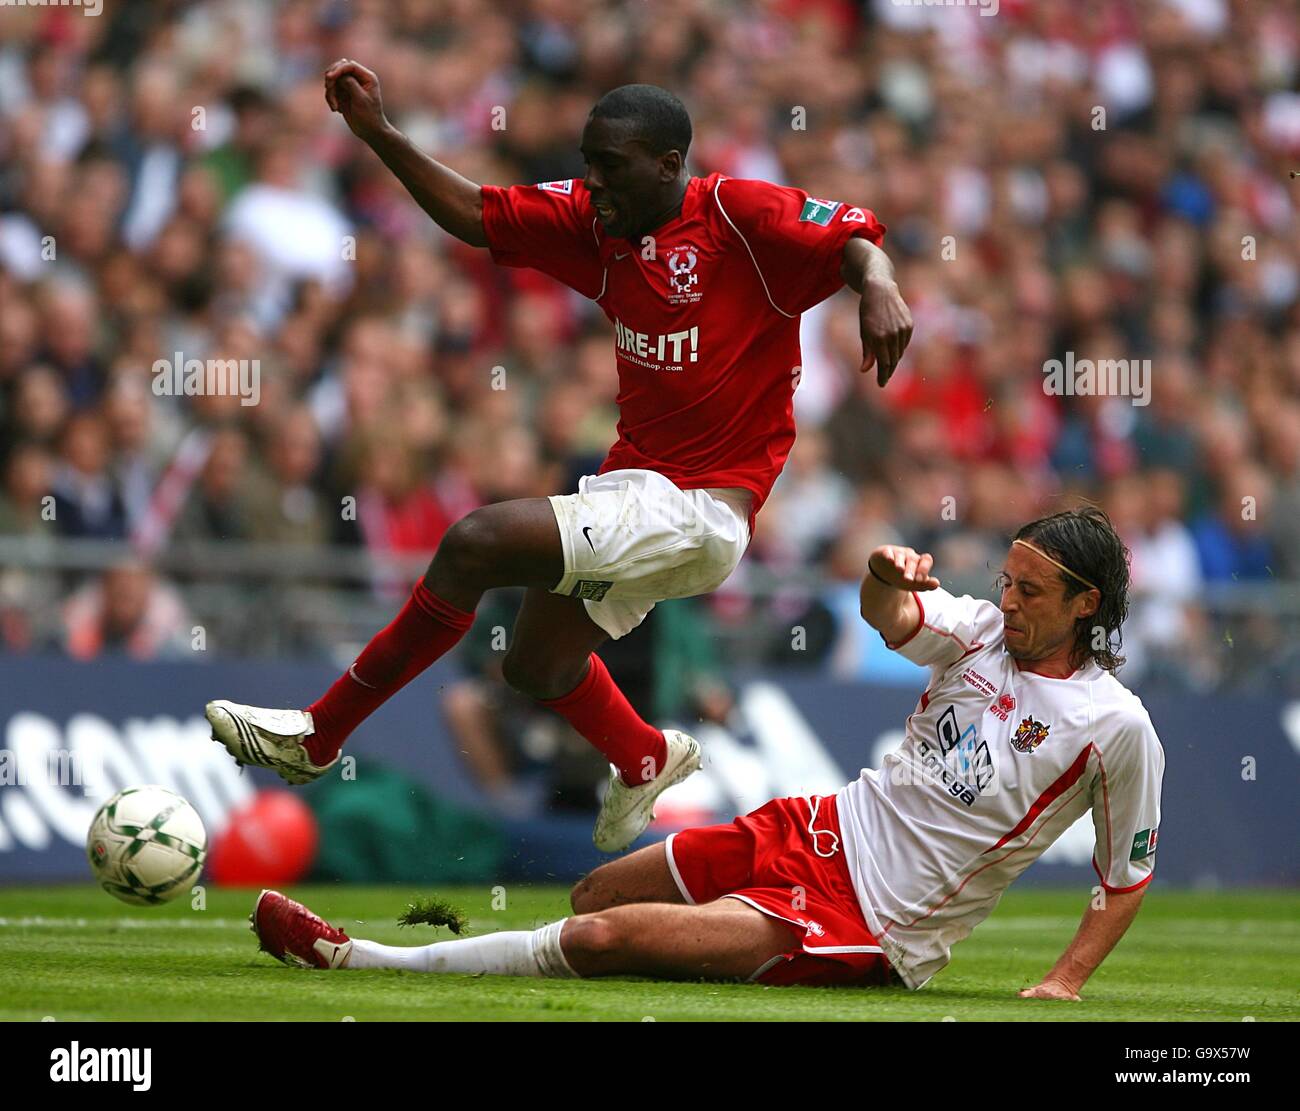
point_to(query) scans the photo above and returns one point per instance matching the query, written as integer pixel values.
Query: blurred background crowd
(1107, 179)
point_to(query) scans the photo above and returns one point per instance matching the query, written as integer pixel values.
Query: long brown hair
(1086, 542)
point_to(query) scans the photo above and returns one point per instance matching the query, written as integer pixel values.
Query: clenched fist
(353, 90)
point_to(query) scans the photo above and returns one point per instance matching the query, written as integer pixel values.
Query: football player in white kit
(1021, 730)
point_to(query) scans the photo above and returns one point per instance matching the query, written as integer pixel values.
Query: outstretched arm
(883, 316)
(454, 202)
(1097, 935)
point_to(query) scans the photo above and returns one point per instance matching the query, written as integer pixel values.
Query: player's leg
(722, 940)
(552, 658)
(514, 543)
(551, 645)
(639, 877)
(511, 543)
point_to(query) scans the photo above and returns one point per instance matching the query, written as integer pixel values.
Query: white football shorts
(633, 538)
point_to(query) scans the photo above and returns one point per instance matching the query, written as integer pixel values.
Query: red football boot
(293, 934)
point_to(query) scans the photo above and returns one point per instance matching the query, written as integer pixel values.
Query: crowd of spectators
(1106, 180)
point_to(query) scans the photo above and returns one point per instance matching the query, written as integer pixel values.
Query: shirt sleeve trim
(1120, 890)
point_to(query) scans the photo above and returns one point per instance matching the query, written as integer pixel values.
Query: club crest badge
(683, 279)
(1029, 735)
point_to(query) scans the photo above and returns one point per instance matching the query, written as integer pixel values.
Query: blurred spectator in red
(129, 611)
(397, 511)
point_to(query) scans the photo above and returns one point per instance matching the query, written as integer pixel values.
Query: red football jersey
(705, 312)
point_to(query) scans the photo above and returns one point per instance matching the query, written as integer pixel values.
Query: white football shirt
(995, 765)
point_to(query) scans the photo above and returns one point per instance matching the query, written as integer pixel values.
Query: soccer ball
(145, 845)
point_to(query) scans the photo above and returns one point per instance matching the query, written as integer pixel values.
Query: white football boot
(267, 738)
(627, 811)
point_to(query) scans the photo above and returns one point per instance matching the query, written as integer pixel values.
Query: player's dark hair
(663, 123)
(1086, 542)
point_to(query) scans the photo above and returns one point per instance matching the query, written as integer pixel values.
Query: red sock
(426, 628)
(598, 710)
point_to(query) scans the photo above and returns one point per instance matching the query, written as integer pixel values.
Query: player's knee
(580, 900)
(587, 895)
(593, 935)
(468, 549)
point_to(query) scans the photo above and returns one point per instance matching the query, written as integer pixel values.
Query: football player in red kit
(704, 280)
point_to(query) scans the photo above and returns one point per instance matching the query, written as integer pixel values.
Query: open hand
(1051, 989)
(885, 322)
(903, 568)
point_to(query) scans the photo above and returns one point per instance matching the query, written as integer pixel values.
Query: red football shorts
(785, 860)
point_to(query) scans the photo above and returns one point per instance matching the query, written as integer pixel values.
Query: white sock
(506, 953)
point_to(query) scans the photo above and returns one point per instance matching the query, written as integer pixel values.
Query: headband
(1062, 566)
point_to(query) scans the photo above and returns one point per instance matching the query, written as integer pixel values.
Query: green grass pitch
(74, 953)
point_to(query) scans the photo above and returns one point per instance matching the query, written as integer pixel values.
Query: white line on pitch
(196, 923)
(1190, 925)
(126, 923)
